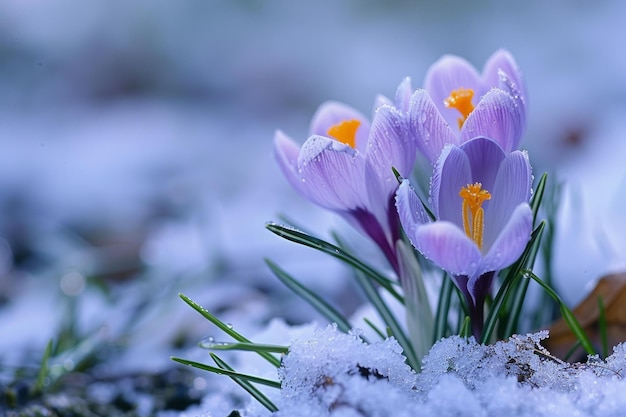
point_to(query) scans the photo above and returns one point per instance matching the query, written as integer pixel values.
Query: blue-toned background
(135, 145)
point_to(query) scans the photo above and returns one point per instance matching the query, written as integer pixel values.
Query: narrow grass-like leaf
(310, 297)
(302, 238)
(513, 275)
(604, 340)
(443, 308)
(567, 314)
(535, 202)
(373, 327)
(227, 328)
(251, 347)
(519, 291)
(466, 328)
(232, 374)
(247, 386)
(43, 369)
(388, 318)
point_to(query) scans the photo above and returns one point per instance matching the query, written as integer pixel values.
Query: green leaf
(227, 328)
(373, 327)
(43, 369)
(302, 238)
(466, 328)
(232, 374)
(388, 318)
(443, 308)
(247, 386)
(567, 314)
(251, 347)
(535, 202)
(309, 296)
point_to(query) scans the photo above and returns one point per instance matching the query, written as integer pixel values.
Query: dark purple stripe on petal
(484, 157)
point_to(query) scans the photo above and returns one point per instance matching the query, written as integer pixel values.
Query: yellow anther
(473, 197)
(345, 132)
(461, 100)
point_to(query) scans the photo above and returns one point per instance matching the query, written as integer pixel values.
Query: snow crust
(339, 375)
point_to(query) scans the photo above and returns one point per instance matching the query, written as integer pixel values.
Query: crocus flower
(345, 166)
(458, 104)
(479, 196)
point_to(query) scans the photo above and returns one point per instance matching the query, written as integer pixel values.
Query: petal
(403, 95)
(431, 131)
(501, 71)
(410, 208)
(286, 152)
(511, 188)
(333, 174)
(447, 74)
(497, 117)
(451, 173)
(447, 245)
(390, 145)
(484, 157)
(511, 241)
(332, 113)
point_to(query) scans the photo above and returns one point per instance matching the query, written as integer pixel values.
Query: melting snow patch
(339, 375)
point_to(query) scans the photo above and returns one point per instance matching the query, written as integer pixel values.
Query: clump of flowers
(477, 222)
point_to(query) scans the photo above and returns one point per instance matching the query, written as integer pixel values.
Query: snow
(330, 373)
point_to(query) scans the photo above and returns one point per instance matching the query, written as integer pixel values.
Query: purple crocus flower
(345, 166)
(458, 104)
(479, 196)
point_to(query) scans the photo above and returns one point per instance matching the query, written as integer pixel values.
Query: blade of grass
(309, 296)
(43, 369)
(388, 318)
(221, 371)
(443, 308)
(466, 328)
(373, 327)
(535, 202)
(248, 387)
(302, 238)
(567, 314)
(251, 347)
(227, 328)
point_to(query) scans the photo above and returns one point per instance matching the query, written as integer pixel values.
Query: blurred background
(136, 150)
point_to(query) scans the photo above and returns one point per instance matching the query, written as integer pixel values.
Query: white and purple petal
(430, 130)
(512, 187)
(451, 173)
(497, 117)
(484, 157)
(332, 174)
(286, 152)
(510, 242)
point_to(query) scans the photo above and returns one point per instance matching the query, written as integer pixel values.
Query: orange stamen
(473, 214)
(461, 100)
(345, 132)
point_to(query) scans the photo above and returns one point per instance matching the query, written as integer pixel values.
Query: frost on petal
(501, 71)
(448, 74)
(431, 131)
(390, 146)
(403, 95)
(286, 152)
(484, 157)
(497, 117)
(511, 240)
(512, 187)
(447, 246)
(451, 173)
(410, 209)
(333, 174)
(332, 113)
